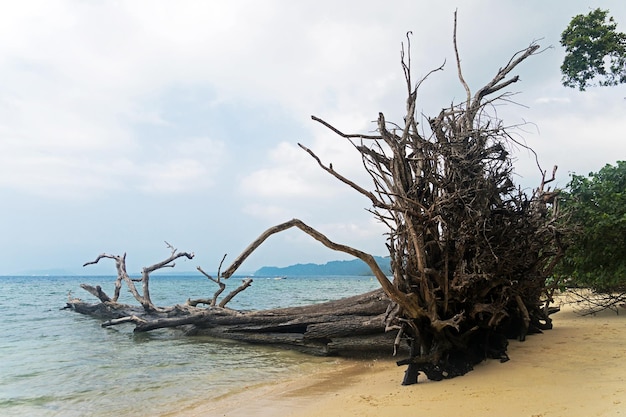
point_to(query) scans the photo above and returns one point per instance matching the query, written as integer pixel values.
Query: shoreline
(576, 369)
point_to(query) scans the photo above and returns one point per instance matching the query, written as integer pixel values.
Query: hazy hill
(354, 267)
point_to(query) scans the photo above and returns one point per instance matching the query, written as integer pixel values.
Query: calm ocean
(56, 362)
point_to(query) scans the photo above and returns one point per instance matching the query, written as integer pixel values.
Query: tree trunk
(346, 327)
(471, 253)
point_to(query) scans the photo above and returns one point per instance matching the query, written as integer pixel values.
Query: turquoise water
(56, 362)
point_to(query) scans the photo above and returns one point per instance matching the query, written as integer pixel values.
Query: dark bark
(471, 253)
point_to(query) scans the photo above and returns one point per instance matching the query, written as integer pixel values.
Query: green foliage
(593, 49)
(596, 206)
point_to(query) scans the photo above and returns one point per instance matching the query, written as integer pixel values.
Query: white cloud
(186, 165)
(557, 100)
(87, 110)
(272, 214)
(289, 172)
(367, 228)
(172, 176)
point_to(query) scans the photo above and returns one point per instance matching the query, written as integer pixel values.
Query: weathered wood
(212, 301)
(120, 264)
(96, 292)
(244, 284)
(350, 326)
(408, 303)
(470, 252)
(127, 319)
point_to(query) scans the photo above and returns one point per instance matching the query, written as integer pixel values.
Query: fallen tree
(354, 325)
(471, 253)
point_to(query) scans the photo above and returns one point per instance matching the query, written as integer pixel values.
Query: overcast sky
(124, 124)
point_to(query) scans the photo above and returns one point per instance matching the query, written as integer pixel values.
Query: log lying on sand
(472, 255)
(347, 327)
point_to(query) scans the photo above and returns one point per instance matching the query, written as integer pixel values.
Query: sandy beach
(576, 369)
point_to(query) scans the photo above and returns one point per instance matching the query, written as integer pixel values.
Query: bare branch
(122, 275)
(458, 64)
(102, 255)
(96, 292)
(122, 320)
(146, 300)
(219, 268)
(406, 302)
(341, 178)
(245, 284)
(495, 84)
(343, 135)
(213, 301)
(166, 263)
(173, 249)
(217, 281)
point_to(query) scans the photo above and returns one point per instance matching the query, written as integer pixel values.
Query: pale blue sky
(125, 124)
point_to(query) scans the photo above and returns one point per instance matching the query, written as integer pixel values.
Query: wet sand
(577, 369)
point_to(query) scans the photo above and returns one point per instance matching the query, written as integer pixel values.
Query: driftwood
(351, 326)
(144, 298)
(222, 286)
(471, 254)
(355, 325)
(122, 275)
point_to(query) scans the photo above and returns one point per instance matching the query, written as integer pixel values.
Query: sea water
(56, 362)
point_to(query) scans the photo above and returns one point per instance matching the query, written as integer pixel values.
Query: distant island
(354, 267)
